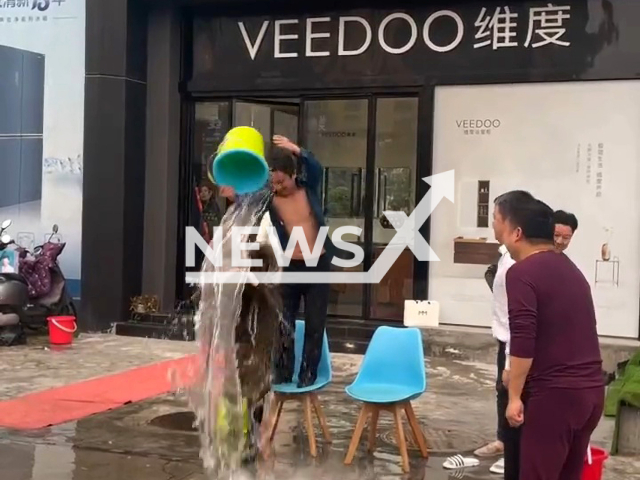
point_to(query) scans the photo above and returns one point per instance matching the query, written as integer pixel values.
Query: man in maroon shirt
(556, 390)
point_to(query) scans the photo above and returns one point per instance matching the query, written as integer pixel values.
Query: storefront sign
(407, 46)
(496, 29)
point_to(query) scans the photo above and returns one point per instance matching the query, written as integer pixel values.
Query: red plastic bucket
(61, 330)
(594, 471)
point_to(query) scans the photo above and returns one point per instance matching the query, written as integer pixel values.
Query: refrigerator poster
(574, 146)
(42, 53)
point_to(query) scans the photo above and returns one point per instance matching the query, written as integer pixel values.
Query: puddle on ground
(53, 454)
(180, 421)
(63, 462)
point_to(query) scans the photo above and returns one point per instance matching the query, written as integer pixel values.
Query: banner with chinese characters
(574, 145)
(532, 40)
(42, 58)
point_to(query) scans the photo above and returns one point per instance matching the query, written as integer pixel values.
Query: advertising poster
(574, 146)
(42, 53)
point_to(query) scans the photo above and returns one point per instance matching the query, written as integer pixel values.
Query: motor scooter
(55, 300)
(14, 295)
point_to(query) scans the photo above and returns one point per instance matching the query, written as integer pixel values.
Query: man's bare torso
(295, 211)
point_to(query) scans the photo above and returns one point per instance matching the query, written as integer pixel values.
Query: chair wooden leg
(418, 435)
(373, 427)
(278, 403)
(357, 433)
(321, 418)
(308, 417)
(402, 443)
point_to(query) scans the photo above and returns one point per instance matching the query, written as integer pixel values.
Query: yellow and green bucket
(222, 423)
(240, 162)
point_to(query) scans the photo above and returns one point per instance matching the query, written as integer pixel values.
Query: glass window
(396, 155)
(336, 132)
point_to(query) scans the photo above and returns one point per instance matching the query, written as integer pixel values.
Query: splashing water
(215, 395)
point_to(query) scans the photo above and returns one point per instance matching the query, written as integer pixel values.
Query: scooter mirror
(55, 228)
(6, 224)
(5, 238)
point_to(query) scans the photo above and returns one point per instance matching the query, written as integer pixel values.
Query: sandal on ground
(460, 474)
(458, 461)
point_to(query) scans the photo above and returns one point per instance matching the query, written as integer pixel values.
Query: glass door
(269, 118)
(212, 122)
(213, 119)
(396, 149)
(368, 148)
(337, 131)
(369, 167)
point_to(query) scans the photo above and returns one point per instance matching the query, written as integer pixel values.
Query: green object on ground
(627, 385)
(613, 398)
(223, 423)
(630, 390)
(624, 391)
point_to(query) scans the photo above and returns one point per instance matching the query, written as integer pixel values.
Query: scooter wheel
(11, 336)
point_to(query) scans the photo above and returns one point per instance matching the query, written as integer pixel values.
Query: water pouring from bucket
(226, 423)
(240, 161)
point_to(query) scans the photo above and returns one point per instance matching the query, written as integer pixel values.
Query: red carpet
(79, 400)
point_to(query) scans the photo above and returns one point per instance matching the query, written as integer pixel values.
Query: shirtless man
(296, 203)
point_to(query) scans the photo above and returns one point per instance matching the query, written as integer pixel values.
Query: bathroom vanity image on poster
(572, 145)
(21, 125)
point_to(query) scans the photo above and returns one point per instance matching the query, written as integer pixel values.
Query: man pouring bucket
(240, 168)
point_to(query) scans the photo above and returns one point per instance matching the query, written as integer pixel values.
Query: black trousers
(316, 299)
(509, 436)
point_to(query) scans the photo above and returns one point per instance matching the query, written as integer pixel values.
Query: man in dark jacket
(296, 204)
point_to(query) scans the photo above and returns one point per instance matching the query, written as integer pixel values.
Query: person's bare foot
(493, 449)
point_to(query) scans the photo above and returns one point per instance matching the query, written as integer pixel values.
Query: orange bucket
(62, 329)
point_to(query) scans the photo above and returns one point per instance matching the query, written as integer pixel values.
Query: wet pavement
(457, 415)
(39, 366)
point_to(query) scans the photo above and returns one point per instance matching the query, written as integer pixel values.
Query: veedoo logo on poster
(478, 126)
(42, 53)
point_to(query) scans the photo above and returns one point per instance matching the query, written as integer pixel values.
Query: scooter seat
(12, 277)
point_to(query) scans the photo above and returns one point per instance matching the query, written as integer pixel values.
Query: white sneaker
(498, 467)
(491, 450)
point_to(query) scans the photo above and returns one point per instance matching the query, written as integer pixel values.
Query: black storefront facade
(356, 83)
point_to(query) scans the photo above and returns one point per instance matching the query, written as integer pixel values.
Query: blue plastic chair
(392, 374)
(324, 368)
(307, 395)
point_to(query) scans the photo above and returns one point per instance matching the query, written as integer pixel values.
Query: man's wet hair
(282, 160)
(560, 217)
(534, 217)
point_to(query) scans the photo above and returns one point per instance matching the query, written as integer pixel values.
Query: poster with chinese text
(42, 53)
(573, 145)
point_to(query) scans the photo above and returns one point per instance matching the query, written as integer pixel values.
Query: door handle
(356, 193)
(384, 191)
(381, 192)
